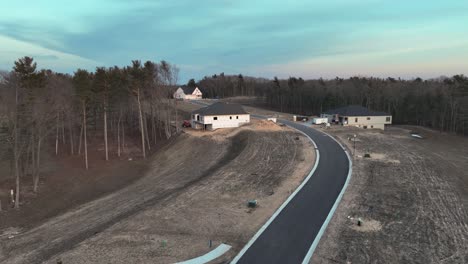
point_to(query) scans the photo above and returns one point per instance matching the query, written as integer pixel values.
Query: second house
(219, 115)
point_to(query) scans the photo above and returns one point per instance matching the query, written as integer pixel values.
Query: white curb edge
(277, 212)
(333, 209)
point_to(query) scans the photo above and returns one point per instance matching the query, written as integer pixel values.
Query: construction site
(406, 200)
(191, 196)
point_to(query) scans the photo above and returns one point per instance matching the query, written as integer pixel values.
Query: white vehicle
(319, 120)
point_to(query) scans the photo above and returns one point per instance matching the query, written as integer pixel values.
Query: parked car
(186, 123)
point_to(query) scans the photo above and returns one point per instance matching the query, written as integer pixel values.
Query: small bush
(367, 155)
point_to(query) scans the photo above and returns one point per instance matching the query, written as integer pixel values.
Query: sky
(302, 38)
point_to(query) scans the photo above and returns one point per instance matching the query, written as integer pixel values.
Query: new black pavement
(288, 238)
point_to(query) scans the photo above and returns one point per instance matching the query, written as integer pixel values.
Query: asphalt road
(289, 237)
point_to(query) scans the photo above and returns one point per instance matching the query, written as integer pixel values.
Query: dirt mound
(264, 125)
(224, 134)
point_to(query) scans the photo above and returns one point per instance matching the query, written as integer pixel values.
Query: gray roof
(354, 110)
(188, 90)
(221, 109)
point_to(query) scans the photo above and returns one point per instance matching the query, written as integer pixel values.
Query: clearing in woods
(411, 195)
(196, 190)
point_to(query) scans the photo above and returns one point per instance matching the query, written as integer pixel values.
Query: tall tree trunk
(123, 136)
(36, 178)
(168, 122)
(105, 132)
(57, 134)
(155, 135)
(118, 133)
(84, 132)
(33, 159)
(71, 136)
(176, 119)
(145, 122)
(17, 182)
(63, 130)
(152, 124)
(80, 141)
(16, 151)
(95, 119)
(112, 121)
(160, 123)
(153, 130)
(141, 126)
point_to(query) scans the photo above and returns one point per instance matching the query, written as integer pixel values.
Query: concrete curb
(214, 254)
(278, 211)
(333, 209)
(317, 238)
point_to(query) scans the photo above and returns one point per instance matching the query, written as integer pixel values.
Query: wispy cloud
(334, 37)
(12, 49)
(427, 61)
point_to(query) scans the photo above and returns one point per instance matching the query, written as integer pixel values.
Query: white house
(219, 115)
(188, 93)
(358, 116)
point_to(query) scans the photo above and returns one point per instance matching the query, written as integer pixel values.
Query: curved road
(289, 237)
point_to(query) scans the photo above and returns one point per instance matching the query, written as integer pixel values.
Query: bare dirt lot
(411, 195)
(195, 191)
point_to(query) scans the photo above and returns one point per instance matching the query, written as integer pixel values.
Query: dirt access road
(196, 191)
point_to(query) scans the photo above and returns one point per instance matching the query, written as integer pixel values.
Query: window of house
(237, 117)
(355, 119)
(215, 118)
(371, 126)
(388, 119)
(198, 118)
(368, 118)
(230, 117)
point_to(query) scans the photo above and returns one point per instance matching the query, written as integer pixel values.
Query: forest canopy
(39, 106)
(440, 104)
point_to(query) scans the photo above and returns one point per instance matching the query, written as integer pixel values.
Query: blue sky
(306, 38)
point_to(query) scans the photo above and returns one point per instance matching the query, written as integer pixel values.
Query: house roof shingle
(187, 89)
(354, 110)
(221, 109)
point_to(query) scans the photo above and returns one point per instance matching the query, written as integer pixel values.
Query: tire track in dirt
(417, 200)
(437, 193)
(211, 209)
(64, 232)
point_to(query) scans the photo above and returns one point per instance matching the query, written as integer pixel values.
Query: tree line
(40, 107)
(440, 103)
